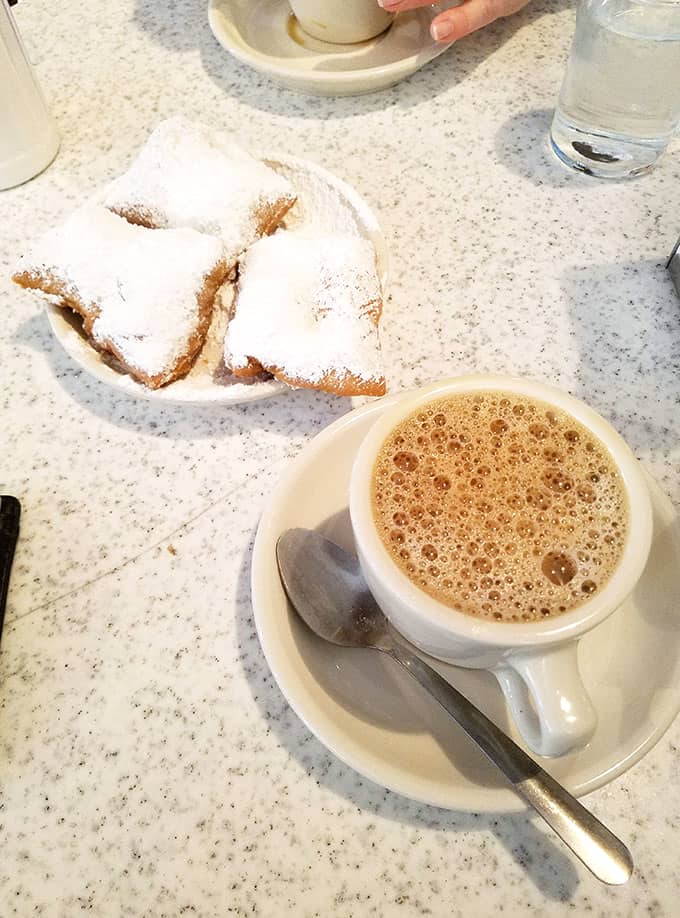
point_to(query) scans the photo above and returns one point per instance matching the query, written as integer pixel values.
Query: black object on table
(673, 265)
(10, 511)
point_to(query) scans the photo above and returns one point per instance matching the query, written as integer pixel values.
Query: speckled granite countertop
(148, 763)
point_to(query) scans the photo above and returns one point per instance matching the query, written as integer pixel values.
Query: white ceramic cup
(341, 21)
(534, 662)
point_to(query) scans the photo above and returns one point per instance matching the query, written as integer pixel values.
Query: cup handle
(547, 700)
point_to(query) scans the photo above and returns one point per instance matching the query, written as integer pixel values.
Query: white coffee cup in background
(341, 21)
(535, 662)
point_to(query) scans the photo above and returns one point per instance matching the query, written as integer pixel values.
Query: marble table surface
(148, 763)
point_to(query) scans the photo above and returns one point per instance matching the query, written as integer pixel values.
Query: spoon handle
(600, 850)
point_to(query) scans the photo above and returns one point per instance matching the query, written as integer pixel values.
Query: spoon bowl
(335, 603)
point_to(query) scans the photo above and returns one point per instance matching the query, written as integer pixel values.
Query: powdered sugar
(140, 284)
(325, 205)
(322, 207)
(308, 306)
(189, 176)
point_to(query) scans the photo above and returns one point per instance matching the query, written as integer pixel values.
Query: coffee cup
(529, 645)
(341, 21)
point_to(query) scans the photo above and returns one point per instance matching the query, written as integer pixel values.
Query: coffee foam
(500, 506)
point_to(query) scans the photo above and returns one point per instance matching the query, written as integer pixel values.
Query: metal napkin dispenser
(673, 265)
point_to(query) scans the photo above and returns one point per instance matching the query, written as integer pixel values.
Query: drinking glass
(620, 99)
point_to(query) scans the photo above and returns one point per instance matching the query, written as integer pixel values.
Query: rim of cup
(562, 627)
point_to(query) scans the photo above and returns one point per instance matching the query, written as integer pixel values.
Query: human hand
(461, 20)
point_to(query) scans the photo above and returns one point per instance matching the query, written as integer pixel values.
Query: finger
(460, 21)
(399, 6)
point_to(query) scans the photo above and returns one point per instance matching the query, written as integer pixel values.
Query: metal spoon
(325, 586)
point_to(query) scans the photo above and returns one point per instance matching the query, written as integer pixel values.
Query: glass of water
(620, 100)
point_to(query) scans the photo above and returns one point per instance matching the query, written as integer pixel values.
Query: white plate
(374, 718)
(325, 204)
(265, 35)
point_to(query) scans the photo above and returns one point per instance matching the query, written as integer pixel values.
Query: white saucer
(265, 35)
(374, 718)
(325, 204)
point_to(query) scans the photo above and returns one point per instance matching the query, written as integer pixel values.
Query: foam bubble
(405, 461)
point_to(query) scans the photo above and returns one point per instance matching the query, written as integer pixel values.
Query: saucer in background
(265, 35)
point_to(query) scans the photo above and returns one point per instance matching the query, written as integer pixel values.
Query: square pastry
(145, 296)
(307, 311)
(189, 176)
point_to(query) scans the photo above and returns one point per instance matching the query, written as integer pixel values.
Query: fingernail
(389, 4)
(441, 31)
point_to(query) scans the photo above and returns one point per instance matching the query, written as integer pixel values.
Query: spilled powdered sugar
(303, 306)
(187, 175)
(141, 284)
